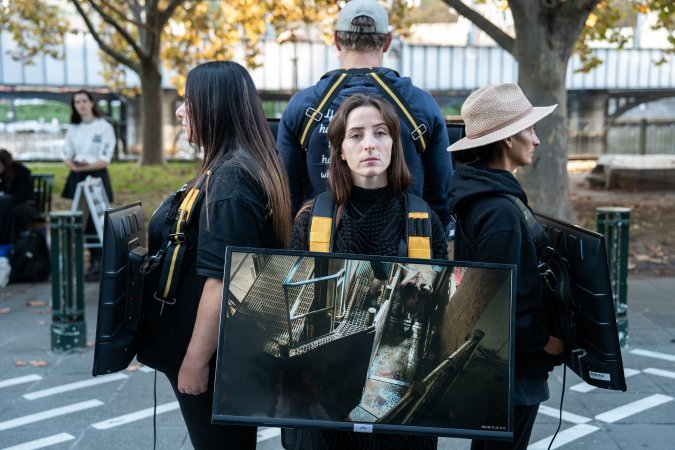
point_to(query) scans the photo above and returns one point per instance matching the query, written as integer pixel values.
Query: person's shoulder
(101, 122)
(306, 95)
(232, 179)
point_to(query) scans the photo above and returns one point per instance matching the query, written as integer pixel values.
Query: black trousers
(523, 417)
(204, 435)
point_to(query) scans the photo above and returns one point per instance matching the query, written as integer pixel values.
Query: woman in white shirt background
(90, 144)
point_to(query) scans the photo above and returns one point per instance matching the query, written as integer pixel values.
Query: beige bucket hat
(495, 112)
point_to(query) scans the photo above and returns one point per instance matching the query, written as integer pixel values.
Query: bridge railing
(290, 66)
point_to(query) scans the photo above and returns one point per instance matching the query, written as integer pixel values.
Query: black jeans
(204, 435)
(523, 418)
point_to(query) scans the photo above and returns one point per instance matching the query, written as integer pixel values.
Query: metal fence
(627, 136)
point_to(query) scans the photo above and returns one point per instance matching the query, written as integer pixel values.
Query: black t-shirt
(232, 211)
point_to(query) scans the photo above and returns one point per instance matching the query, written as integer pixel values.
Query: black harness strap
(415, 244)
(386, 88)
(313, 116)
(177, 245)
(322, 223)
(417, 128)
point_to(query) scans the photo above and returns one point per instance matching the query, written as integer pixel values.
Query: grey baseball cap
(358, 8)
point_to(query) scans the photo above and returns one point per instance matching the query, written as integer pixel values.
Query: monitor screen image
(596, 357)
(121, 288)
(375, 344)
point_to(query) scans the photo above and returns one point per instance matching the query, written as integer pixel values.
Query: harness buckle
(547, 274)
(151, 263)
(314, 114)
(417, 133)
(177, 238)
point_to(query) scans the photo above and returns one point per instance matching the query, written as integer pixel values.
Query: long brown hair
(227, 120)
(339, 175)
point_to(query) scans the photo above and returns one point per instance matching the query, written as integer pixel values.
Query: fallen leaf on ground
(42, 322)
(134, 367)
(20, 363)
(39, 363)
(36, 303)
(89, 344)
(5, 310)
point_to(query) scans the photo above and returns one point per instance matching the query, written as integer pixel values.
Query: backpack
(386, 87)
(30, 259)
(415, 244)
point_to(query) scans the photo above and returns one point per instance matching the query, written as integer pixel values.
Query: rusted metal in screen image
(338, 341)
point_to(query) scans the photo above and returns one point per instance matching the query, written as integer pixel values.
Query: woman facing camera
(90, 144)
(367, 179)
(239, 196)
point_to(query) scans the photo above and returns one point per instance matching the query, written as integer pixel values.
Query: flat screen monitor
(366, 344)
(121, 288)
(597, 355)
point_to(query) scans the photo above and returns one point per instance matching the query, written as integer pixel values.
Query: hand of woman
(193, 376)
(554, 346)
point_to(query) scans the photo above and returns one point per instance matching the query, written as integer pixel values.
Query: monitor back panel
(597, 357)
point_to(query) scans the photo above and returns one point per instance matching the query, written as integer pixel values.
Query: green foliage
(44, 111)
(36, 26)
(131, 182)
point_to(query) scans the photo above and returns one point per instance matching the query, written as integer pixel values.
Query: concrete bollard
(68, 331)
(614, 223)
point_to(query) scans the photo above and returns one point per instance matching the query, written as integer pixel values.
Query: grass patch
(130, 182)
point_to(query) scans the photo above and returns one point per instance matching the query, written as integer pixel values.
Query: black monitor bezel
(379, 428)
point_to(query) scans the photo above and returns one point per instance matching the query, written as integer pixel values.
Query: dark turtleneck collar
(362, 199)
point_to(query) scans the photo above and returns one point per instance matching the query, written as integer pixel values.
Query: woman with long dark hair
(89, 148)
(367, 178)
(239, 196)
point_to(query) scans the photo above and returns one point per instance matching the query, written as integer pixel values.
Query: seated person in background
(17, 206)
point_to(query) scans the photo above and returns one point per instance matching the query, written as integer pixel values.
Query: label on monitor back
(599, 376)
(363, 428)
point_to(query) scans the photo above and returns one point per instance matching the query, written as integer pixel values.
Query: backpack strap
(338, 79)
(177, 245)
(418, 129)
(539, 236)
(313, 116)
(322, 223)
(417, 240)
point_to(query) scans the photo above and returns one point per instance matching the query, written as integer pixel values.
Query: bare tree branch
(502, 39)
(123, 32)
(122, 15)
(117, 56)
(165, 15)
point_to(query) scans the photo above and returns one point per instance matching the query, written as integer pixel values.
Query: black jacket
(492, 229)
(21, 188)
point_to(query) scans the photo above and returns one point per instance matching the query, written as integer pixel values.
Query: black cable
(154, 416)
(562, 396)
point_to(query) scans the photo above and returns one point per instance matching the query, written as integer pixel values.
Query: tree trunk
(151, 115)
(546, 32)
(546, 180)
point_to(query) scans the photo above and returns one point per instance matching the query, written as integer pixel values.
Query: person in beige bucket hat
(485, 200)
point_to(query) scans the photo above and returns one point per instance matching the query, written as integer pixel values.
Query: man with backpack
(362, 37)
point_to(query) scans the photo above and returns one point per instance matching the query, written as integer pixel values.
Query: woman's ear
(342, 156)
(508, 142)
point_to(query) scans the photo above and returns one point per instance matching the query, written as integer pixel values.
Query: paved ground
(49, 399)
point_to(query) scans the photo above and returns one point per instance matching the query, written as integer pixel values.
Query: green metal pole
(68, 331)
(614, 223)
